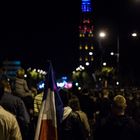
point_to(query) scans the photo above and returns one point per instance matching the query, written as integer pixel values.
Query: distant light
(86, 47)
(76, 84)
(104, 63)
(79, 88)
(134, 34)
(90, 53)
(73, 72)
(102, 34)
(86, 6)
(112, 53)
(25, 75)
(64, 78)
(87, 63)
(68, 85)
(100, 79)
(117, 83)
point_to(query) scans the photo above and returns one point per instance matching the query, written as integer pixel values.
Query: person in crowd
(75, 105)
(16, 106)
(71, 126)
(20, 86)
(105, 104)
(37, 104)
(21, 90)
(9, 128)
(117, 126)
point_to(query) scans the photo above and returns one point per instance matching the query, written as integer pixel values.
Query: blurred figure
(117, 126)
(9, 128)
(75, 105)
(21, 87)
(16, 106)
(37, 105)
(22, 91)
(71, 126)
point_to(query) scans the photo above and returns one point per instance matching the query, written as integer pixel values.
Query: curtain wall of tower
(86, 35)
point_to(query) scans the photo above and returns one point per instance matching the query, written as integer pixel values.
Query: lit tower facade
(86, 36)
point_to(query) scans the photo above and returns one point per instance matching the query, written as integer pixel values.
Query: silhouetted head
(119, 104)
(20, 73)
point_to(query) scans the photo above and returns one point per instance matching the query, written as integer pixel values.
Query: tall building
(86, 35)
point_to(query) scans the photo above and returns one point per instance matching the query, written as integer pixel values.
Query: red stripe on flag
(48, 131)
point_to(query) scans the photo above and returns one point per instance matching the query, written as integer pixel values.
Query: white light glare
(117, 83)
(104, 63)
(87, 63)
(134, 34)
(90, 53)
(102, 34)
(112, 53)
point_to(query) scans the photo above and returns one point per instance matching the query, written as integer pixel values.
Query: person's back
(75, 105)
(117, 126)
(9, 129)
(71, 127)
(21, 87)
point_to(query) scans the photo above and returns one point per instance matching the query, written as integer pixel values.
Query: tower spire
(86, 35)
(86, 6)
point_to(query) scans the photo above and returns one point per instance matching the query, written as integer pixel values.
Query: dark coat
(71, 128)
(117, 128)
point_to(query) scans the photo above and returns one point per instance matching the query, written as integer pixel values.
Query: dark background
(35, 32)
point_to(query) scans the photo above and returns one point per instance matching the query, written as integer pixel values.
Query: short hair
(74, 103)
(20, 73)
(119, 102)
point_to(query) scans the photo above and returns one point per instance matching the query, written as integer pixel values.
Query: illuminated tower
(86, 37)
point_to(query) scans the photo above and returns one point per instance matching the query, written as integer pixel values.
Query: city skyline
(50, 31)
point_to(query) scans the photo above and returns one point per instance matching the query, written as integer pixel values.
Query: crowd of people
(88, 114)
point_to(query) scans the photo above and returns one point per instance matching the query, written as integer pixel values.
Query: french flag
(51, 110)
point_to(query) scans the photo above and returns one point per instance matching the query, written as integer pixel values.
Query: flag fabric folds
(51, 110)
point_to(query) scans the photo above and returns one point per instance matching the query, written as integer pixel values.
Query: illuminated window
(80, 35)
(86, 47)
(86, 59)
(92, 59)
(86, 6)
(80, 59)
(80, 47)
(90, 53)
(92, 48)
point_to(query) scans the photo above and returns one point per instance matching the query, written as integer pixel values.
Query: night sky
(40, 31)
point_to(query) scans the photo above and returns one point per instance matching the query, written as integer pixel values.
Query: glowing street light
(134, 34)
(102, 34)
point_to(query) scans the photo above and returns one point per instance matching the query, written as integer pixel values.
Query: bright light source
(117, 83)
(104, 63)
(87, 63)
(90, 53)
(79, 88)
(112, 53)
(76, 84)
(102, 34)
(73, 72)
(134, 34)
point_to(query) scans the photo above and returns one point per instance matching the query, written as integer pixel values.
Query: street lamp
(134, 34)
(102, 34)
